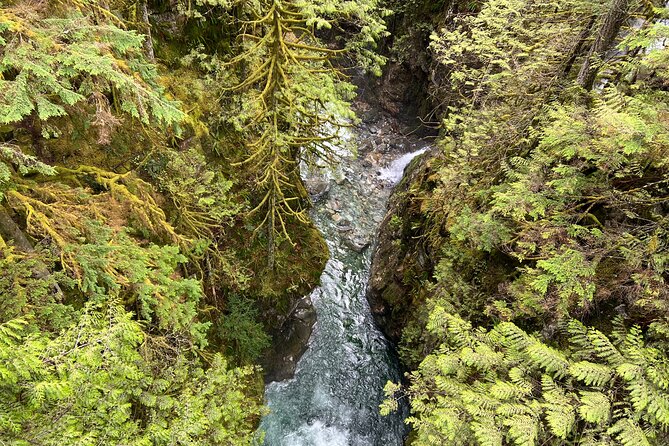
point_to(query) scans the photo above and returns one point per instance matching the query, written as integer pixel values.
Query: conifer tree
(295, 101)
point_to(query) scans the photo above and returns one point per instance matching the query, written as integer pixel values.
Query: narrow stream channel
(334, 396)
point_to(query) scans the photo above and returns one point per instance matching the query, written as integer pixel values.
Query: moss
(297, 270)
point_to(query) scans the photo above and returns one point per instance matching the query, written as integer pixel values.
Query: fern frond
(560, 414)
(514, 336)
(590, 373)
(548, 358)
(595, 407)
(487, 433)
(10, 331)
(629, 433)
(604, 348)
(523, 430)
(509, 391)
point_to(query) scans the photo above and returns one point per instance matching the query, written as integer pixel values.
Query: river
(334, 397)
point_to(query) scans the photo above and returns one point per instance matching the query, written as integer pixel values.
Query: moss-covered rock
(400, 266)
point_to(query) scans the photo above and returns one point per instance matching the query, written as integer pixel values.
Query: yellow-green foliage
(507, 387)
(592, 189)
(292, 101)
(550, 205)
(50, 64)
(106, 381)
(109, 227)
(565, 188)
(294, 94)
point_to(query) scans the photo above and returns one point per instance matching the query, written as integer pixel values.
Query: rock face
(290, 342)
(401, 92)
(399, 263)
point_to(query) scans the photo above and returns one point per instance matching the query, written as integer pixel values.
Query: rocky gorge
(379, 142)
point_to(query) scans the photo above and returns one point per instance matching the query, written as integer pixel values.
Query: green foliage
(365, 17)
(12, 159)
(240, 330)
(294, 94)
(508, 387)
(144, 277)
(548, 205)
(560, 197)
(131, 229)
(567, 176)
(201, 195)
(50, 66)
(25, 292)
(103, 338)
(98, 383)
(292, 101)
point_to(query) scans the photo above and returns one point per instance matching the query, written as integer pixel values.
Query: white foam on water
(317, 434)
(395, 170)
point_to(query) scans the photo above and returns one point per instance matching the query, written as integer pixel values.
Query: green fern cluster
(144, 277)
(591, 191)
(546, 208)
(505, 386)
(94, 383)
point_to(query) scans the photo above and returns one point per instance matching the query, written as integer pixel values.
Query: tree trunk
(148, 40)
(9, 230)
(608, 31)
(578, 48)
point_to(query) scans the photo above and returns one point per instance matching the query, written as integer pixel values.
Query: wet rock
(293, 337)
(344, 225)
(387, 292)
(318, 188)
(334, 205)
(357, 244)
(370, 116)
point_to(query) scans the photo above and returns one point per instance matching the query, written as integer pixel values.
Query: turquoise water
(334, 397)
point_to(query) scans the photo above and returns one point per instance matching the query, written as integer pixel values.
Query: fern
(548, 358)
(560, 415)
(586, 391)
(628, 433)
(595, 375)
(604, 348)
(487, 433)
(523, 430)
(10, 332)
(595, 407)
(509, 391)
